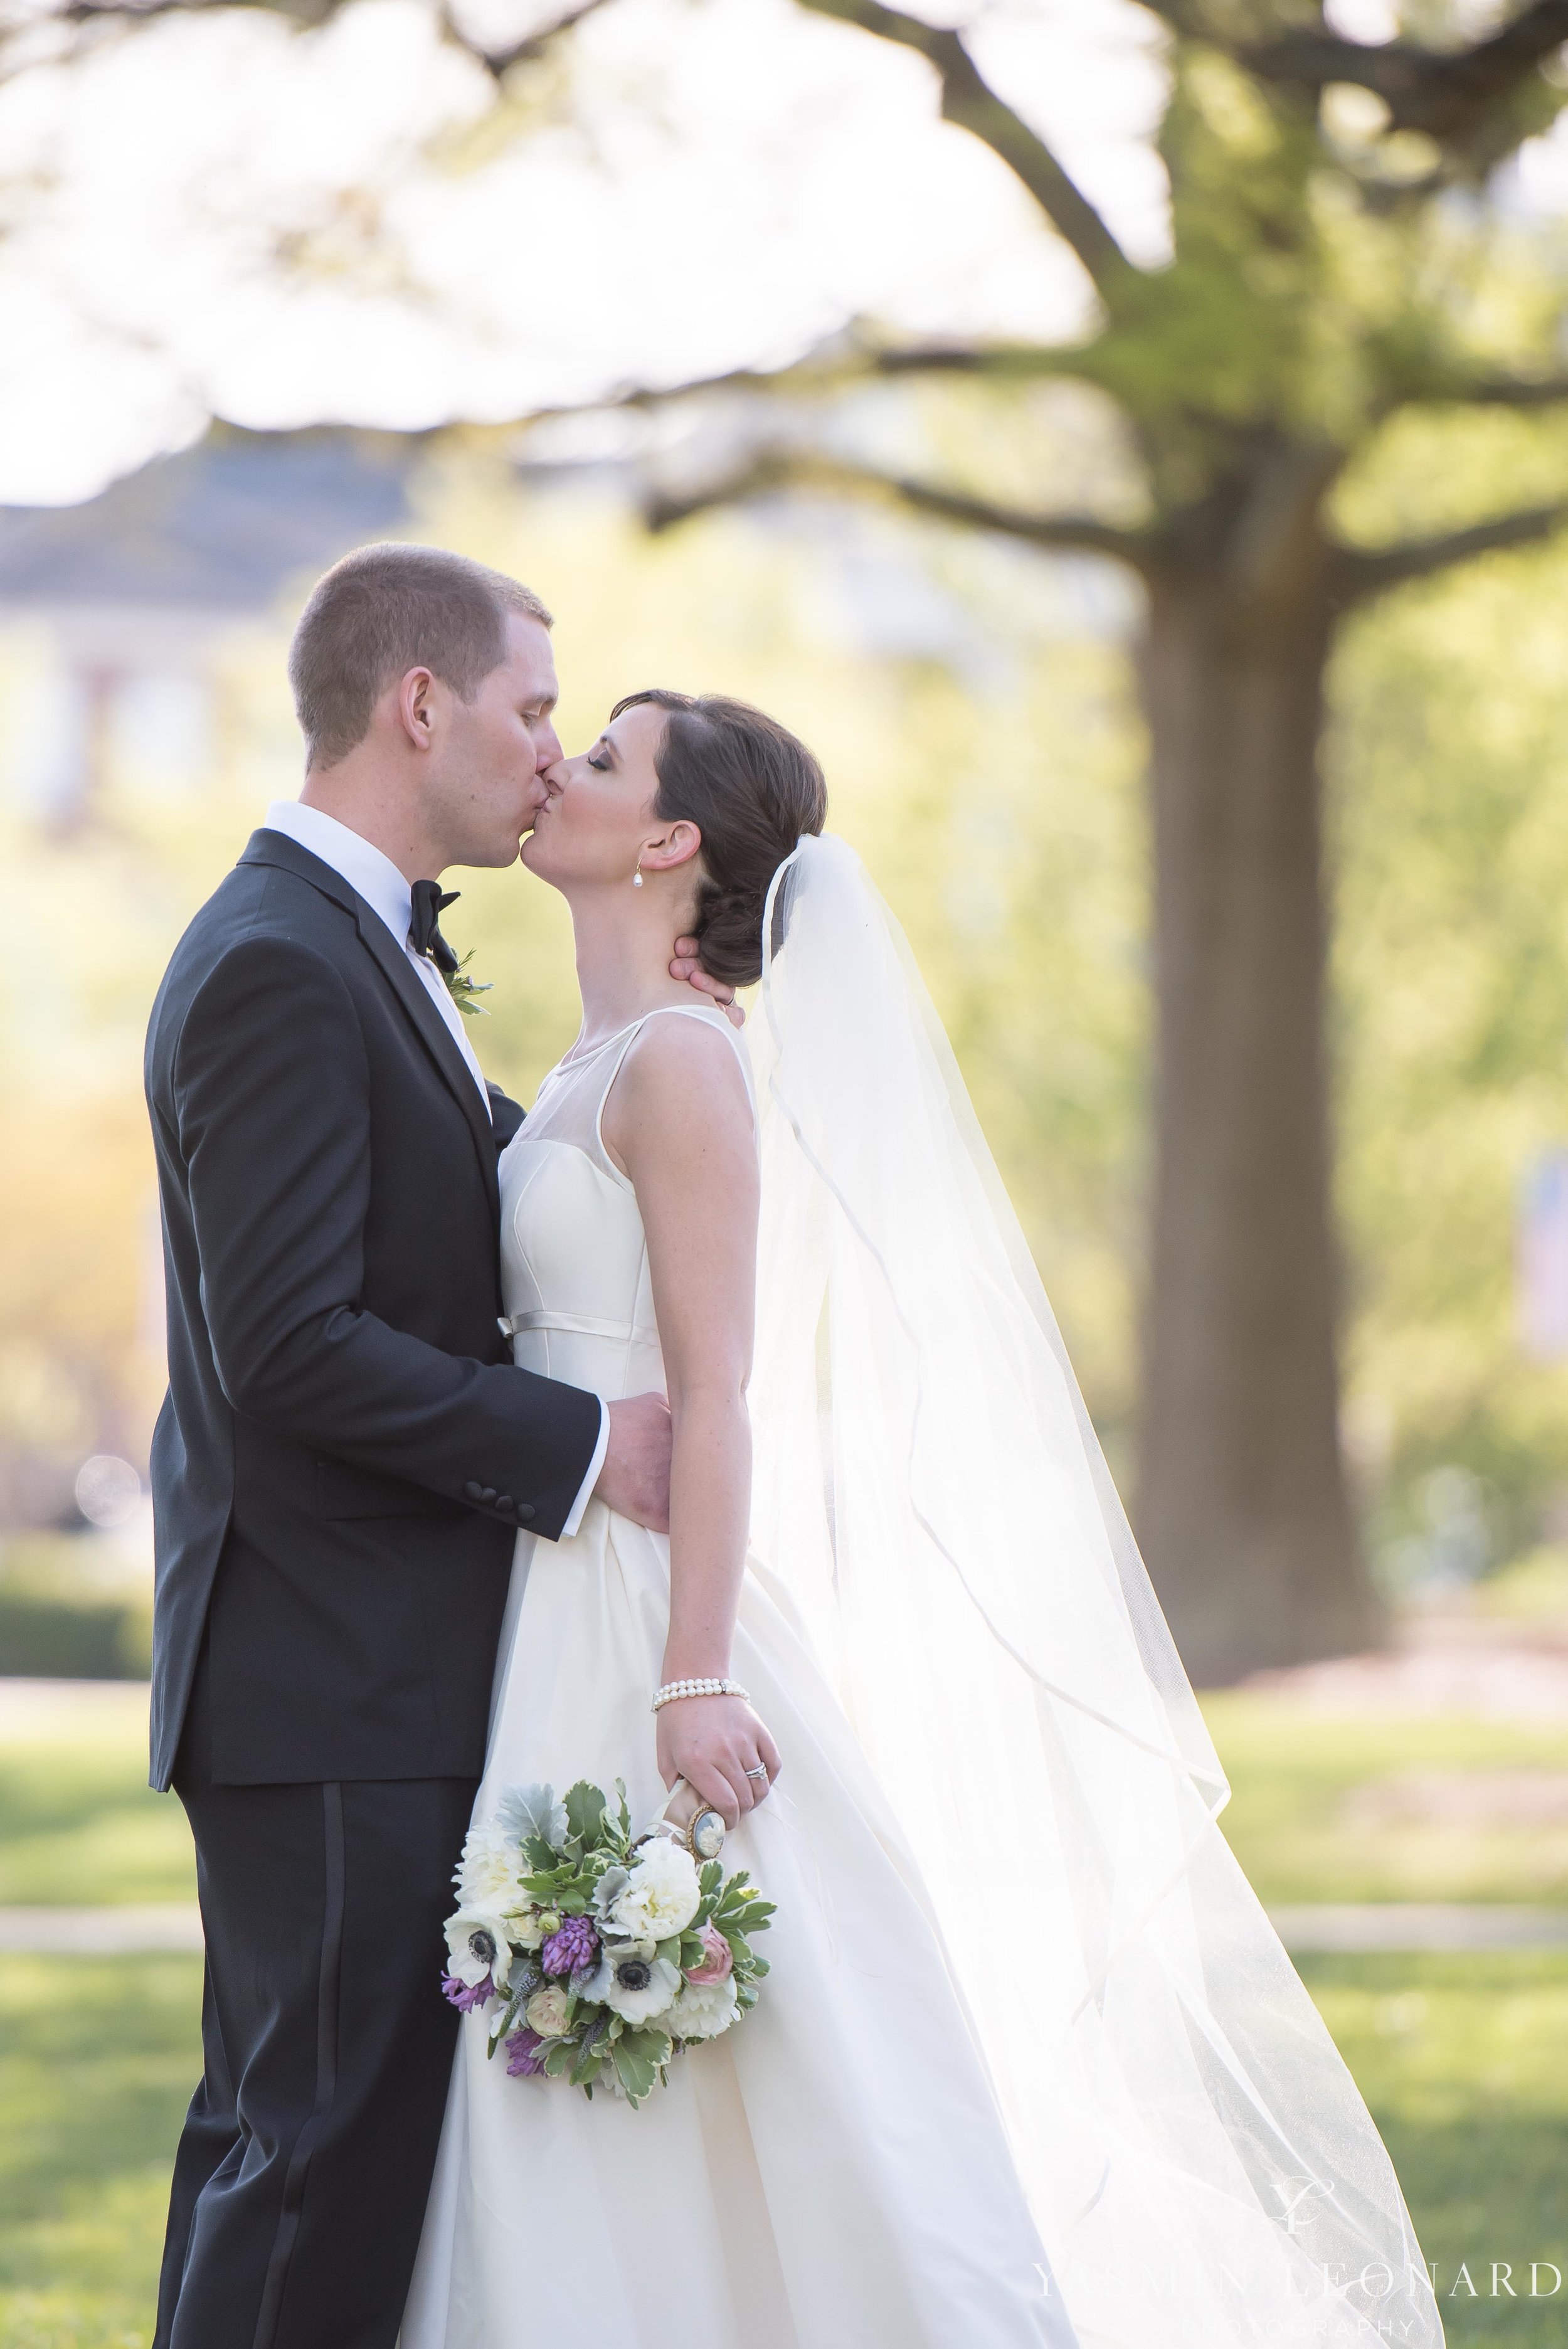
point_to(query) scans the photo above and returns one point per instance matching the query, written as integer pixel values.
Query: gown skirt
(830, 2173)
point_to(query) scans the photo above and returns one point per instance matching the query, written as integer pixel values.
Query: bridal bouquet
(604, 1956)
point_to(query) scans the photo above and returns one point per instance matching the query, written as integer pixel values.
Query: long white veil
(930, 1487)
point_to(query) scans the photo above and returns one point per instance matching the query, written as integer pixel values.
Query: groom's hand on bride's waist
(635, 1478)
(687, 966)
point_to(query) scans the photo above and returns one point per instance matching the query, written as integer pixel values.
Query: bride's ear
(677, 844)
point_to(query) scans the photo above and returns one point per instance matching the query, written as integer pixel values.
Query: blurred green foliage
(57, 1618)
(99, 1640)
(1449, 755)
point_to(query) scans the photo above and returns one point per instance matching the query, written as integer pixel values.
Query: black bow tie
(429, 903)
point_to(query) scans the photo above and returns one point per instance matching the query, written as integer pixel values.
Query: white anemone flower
(480, 1943)
(632, 1983)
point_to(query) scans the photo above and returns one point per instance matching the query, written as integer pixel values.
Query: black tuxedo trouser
(300, 2183)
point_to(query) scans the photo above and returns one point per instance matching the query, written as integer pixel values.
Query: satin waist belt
(581, 1325)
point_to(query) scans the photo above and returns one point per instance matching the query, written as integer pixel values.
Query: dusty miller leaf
(525, 1811)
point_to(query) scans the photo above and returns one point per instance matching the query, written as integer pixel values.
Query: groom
(346, 1454)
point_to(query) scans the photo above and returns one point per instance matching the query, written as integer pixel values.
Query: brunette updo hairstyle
(751, 790)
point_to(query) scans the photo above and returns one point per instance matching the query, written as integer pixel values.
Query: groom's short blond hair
(386, 609)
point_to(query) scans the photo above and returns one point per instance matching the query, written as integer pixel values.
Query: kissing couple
(708, 1423)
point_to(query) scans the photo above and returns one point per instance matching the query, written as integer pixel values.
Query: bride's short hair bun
(752, 789)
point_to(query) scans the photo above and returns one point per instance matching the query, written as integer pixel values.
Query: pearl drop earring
(637, 876)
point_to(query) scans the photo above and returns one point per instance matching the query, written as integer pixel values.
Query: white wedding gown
(834, 2173)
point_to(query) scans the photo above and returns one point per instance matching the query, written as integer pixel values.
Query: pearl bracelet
(674, 1689)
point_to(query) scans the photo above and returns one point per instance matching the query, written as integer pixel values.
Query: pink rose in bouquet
(719, 1961)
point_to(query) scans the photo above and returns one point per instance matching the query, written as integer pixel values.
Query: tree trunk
(1242, 1503)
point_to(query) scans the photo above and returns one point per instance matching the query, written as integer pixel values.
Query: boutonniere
(429, 902)
(464, 989)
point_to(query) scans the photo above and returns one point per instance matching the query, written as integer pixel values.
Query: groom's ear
(413, 706)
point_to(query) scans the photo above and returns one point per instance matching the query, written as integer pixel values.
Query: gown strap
(677, 1011)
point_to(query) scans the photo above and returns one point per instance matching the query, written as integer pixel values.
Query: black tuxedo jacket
(346, 1452)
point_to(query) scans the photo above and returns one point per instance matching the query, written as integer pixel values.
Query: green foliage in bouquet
(604, 1955)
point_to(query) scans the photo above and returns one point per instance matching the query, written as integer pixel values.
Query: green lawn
(1325, 1806)
(97, 2060)
(1463, 2059)
(1464, 2062)
(78, 1823)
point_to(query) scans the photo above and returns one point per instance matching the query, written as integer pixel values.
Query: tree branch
(776, 470)
(1445, 95)
(499, 63)
(309, 16)
(842, 360)
(1499, 391)
(1365, 574)
(998, 361)
(974, 106)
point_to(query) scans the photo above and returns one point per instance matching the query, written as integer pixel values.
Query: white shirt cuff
(592, 1478)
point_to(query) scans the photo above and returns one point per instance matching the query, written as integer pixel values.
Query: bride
(1030, 2066)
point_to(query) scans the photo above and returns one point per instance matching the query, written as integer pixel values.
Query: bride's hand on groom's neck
(687, 966)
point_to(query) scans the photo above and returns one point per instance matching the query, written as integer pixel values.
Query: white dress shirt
(389, 896)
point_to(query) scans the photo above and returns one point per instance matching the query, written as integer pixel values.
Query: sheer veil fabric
(930, 1488)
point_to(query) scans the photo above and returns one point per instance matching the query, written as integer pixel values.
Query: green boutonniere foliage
(464, 990)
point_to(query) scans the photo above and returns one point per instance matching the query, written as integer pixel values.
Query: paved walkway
(102, 1932)
(1445, 1661)
(1349, 1927)
(1360, 1926)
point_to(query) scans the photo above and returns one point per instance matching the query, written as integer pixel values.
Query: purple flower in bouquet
(466, 1996)
(525, 2053)
(573, 1946)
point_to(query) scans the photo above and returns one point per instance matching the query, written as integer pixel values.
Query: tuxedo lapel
(276, 848)
(415, 997)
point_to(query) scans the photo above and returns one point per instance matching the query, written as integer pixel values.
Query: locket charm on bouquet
(694, 1821)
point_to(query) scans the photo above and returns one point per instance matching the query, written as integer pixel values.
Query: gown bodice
(574, 1259)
